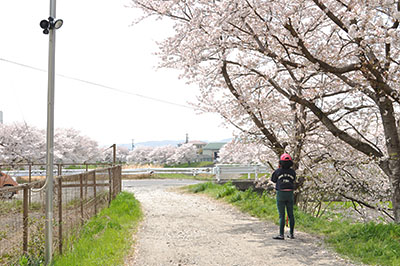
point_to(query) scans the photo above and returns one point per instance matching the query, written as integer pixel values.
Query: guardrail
(226, 170)
(221, 171)
(38, 172)
(189, 171)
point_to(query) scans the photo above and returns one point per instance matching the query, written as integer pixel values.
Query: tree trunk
(396, 201)
(395, 182)
(392, 169)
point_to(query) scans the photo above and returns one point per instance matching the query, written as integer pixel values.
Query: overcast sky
(96, 45)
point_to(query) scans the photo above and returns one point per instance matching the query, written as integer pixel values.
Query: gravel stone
(192, 229)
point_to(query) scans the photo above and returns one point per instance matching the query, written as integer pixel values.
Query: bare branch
(323, 65)
(276, 146)
(329, 124)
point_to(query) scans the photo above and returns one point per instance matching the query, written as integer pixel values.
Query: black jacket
(284, 178)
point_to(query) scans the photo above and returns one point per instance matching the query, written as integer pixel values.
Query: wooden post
(25, 220)
(94, 192)
(60, 219)
(86, 185)
(59, 170)
(110, 186)
(29, 181)
(120, 178)
(81, 188)
(114, 154)
(256, 172)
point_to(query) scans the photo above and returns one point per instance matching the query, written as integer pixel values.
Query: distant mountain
(163, 143)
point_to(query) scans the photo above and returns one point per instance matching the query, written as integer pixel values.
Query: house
(199, 145)
(211, 150)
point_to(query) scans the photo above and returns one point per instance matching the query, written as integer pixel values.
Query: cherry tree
(185, 153)
(242, 151)
(330, 63)
(163, 154)
(71, 147)
(140, 155)
(21, 143)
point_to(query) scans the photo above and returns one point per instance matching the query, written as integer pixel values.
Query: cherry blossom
(316, 78)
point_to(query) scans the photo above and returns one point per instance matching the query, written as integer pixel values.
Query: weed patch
(106, 238)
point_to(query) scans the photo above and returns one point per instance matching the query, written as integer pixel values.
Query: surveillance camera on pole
(50, 26)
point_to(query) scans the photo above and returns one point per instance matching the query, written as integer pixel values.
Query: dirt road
(192, 229)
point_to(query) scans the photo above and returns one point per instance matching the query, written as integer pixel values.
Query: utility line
(99, 85)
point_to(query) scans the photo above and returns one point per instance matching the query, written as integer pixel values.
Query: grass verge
(371, 243)
(107, 237)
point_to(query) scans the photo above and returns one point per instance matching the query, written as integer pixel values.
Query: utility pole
(133, 145)
(49, 27)
(187, 138)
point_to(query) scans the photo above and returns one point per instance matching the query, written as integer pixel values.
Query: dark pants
(285, 199)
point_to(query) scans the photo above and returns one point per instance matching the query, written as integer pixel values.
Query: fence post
(81, 188)
(110, 186)
(60, 220)
(29, 181)
(86, 185)
(94, 192)
(116, 183)
(114, 154)
(25, 220)
(59, 169)
(120, 178)
(218, 173)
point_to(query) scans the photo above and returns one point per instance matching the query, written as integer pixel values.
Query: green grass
(90, 166)
(15, 206)
(107, 237)
(184, 176)
(376, 244)
(372, 243)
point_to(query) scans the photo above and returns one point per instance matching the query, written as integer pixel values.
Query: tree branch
(323, 65)
(366, 205)
(329, 124)
(276, 146)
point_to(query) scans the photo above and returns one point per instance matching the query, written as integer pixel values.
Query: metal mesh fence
(76, 198)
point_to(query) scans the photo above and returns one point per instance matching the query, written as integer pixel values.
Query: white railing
(221, 171)
(226, 170)
(189, 171)
(38, 172)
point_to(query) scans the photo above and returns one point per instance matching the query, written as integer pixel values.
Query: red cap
(286, 157)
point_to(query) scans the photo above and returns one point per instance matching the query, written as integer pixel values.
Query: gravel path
(192, 229)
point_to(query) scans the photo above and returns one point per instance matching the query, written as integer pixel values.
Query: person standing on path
(284, 177)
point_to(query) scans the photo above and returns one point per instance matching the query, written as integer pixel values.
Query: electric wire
(100, 85)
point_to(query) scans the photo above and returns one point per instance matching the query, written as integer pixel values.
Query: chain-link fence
(76, 198)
